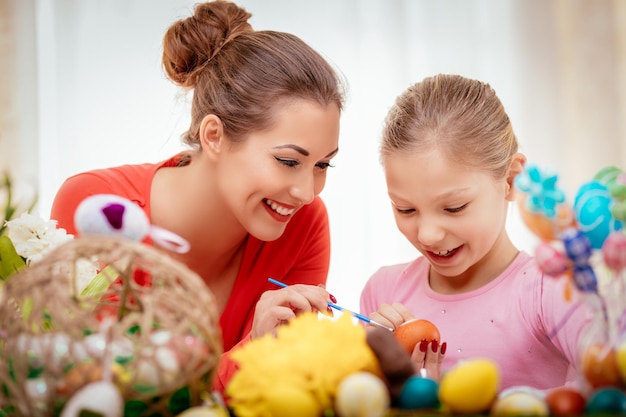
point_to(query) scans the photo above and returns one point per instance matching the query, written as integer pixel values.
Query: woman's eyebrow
(294, 147)
(304, 151)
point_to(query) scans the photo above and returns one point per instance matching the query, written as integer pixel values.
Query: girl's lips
(444, 257)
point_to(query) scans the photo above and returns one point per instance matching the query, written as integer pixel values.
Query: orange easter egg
(599, 366)
(412, 332)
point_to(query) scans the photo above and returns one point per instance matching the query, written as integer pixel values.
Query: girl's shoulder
(396, 273)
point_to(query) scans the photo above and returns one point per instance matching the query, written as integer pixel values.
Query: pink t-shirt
(521, 319)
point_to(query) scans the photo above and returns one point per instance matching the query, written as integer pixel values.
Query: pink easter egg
(550, 260)
(614, 251)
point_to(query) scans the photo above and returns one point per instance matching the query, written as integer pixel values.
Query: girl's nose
(429, 233)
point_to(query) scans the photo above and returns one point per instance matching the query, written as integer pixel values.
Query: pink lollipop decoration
(614, 251)
(550, 260)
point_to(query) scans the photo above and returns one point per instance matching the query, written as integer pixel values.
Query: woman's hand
(426, 357)
(276, 307)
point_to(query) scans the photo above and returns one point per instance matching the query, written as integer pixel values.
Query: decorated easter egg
(419, 393)
(520, 401)
(111, 215)
(412, 332)
(289, 400)
(551, 260)
(471, 386)
(361, 394)
(614, 251)
(609, 400)
(577, 247)
(600, 367)
(565, 401)
(592, 206)
(543, 227)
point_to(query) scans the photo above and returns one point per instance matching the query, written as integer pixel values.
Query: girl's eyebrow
(302, 150)
(451, 193)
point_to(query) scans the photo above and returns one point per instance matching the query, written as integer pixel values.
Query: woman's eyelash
(291, 163)
(324, 165)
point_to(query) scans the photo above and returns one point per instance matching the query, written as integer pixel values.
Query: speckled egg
(361, 394)
(520, 401)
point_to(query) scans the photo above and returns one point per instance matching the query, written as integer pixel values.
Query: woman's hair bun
(190, 43)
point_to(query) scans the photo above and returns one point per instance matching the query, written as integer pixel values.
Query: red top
(300, 255)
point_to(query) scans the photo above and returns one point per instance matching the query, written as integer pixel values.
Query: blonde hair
(240, 74)
(461, 117)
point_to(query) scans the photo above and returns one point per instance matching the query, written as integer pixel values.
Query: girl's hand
(276, 307)
(392, 315)
(427, 357)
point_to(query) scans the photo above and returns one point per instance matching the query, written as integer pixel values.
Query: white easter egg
(362, 394)
(100, 397)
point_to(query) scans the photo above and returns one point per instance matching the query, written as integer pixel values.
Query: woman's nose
(304, 188)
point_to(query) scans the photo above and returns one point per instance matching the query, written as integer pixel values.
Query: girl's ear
(211, 135)
(516, 166)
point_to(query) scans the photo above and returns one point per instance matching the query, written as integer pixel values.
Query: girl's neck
(490, 267)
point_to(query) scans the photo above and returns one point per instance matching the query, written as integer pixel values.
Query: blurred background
(81, 87)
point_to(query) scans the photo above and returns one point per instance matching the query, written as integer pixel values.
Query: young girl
(450, 157)
(264, 128)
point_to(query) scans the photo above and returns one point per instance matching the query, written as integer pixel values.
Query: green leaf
(10, 261)
(99, 284)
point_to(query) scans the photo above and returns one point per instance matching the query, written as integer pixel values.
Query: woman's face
(454, 215)
(269, 176)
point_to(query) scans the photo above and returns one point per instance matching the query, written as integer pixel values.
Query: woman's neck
(194, 210)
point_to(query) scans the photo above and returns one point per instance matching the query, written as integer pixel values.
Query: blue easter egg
(610, 400)
(592, 206)
(419, 393)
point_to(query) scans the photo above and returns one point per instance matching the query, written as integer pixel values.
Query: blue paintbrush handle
(339, 308)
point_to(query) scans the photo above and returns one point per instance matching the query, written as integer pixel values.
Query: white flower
(34, 237)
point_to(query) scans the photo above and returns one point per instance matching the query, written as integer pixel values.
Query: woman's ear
(516, 166)
(211, 135)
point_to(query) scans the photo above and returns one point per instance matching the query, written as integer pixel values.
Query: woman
(264, 128)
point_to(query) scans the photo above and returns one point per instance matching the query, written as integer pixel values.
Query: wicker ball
(152, 329)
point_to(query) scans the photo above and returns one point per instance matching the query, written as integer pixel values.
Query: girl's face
(268, 177)
(454, 215)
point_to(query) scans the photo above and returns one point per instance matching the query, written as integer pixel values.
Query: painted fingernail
(434, 346)
(332, 298)
(444, 346)
(423, 345)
